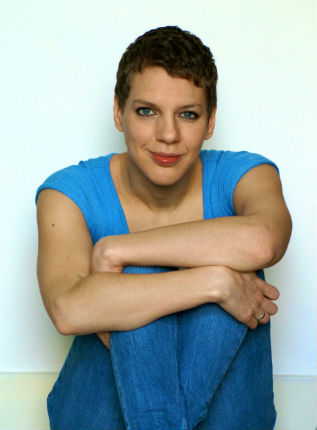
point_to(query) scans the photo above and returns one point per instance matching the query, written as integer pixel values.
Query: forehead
(155, 85)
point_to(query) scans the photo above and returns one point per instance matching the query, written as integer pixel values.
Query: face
(164, 122)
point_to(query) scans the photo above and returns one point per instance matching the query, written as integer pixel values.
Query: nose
(167, 130)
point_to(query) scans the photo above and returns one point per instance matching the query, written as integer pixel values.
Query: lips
(165, 159)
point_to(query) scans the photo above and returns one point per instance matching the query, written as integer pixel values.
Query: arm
(255, 238)
(81, 302)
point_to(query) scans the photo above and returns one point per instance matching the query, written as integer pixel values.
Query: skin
(164, 210)
(167, 115)
(155, 120)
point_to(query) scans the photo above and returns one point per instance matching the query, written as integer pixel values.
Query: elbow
(272, 245)
(60, 316)
(267, 253)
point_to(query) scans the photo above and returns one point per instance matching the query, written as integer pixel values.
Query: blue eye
(189, 115)
(145, 111)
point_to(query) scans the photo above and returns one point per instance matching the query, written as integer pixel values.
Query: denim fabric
(196, 369)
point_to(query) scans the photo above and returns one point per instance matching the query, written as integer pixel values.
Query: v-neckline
(117, 198)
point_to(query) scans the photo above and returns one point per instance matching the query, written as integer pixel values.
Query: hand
(103, 258)
(103, 261)
(247, 297)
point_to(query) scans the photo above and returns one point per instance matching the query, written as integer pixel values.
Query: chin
(165, 179)
(161, 176)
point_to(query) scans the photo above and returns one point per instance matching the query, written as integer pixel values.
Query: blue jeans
(197, 369)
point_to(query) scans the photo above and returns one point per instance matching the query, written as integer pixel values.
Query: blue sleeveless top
(89, 184)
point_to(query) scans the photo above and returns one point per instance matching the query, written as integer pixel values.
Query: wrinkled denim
(197, 369)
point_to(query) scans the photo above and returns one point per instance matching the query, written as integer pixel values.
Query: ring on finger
(260, 318)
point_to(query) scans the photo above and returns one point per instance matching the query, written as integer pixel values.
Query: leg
(208, 340)
(161, 369)
(244, 399)
(146, 372)
(225, 371)
(84, 396)
(98, 407)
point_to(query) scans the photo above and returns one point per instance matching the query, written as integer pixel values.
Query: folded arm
(255, 238)
(81, 302)
(82, 299)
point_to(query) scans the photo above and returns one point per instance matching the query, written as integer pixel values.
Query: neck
(157, 197)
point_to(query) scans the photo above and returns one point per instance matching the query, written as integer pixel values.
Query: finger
(105, 338)
(269, 307)
(101, 337)
(268, 290)
(252, 323)
(262, 317)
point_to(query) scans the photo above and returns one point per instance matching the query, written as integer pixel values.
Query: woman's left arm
(255, 238)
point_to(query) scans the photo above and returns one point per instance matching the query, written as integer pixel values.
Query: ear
(117, 114)
(211, 124)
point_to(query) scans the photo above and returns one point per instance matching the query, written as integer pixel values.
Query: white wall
(59, 60)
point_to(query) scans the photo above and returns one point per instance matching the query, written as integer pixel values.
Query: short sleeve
(70, 181)
(228, 169)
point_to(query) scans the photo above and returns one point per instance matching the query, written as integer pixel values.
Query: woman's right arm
(81, 302)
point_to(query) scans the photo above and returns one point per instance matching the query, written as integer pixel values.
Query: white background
(58, 60)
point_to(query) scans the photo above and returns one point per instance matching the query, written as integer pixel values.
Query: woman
(189, 348)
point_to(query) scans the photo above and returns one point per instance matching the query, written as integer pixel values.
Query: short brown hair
(179, 52)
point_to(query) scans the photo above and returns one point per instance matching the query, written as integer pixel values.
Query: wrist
(218, 284)
(114, 251)
(106, 256)
(125, 250)
(224, 280)
(210, 282)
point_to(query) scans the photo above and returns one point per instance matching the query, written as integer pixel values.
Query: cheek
(195, 137)
(138, 135)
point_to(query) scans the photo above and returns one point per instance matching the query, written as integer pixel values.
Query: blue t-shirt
(89, 184)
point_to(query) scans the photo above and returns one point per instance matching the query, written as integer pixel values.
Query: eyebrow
(150, 104)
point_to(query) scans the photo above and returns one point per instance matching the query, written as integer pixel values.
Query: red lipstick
(165, 159)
